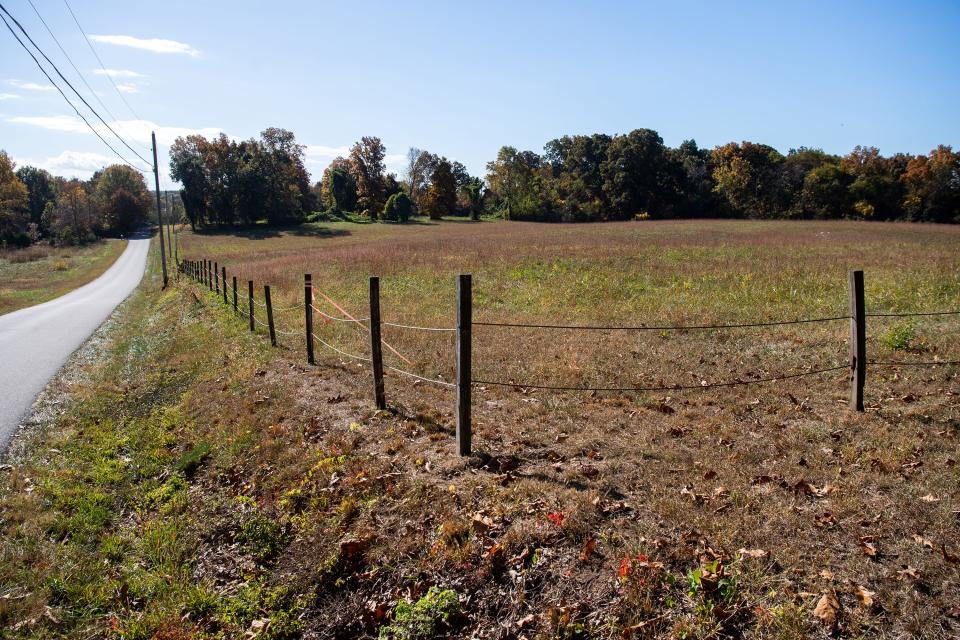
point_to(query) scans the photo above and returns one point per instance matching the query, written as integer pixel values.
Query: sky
(462, 79)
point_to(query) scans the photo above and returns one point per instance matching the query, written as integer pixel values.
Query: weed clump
(429, 616)
(903, 337)
(191, 460)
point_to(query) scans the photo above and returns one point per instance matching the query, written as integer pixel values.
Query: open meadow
(237, 489)
(39, 273)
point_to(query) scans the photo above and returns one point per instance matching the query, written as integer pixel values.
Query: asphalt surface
(35, 342)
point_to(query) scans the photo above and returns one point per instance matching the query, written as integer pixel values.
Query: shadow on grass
(261, 232)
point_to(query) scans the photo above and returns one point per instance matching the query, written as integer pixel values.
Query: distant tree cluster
(226, 182)
(37, 206)
(433, 185)
(603, 177)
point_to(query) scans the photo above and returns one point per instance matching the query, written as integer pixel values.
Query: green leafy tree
(825, 192)
(637, 177)
(399, 207)
(41, 189)
(516, 184)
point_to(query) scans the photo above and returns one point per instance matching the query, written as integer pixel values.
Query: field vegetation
(205, 485)
(39, 273)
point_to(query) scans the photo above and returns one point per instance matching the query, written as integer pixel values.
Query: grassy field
(40, 273)
(203, 484)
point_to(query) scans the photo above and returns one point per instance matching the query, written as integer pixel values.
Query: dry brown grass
(684, 479)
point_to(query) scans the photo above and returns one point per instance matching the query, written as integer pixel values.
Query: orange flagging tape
(347, 314)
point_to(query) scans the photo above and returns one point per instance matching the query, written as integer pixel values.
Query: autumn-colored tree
(69, 219)
(14, 205)
(440, 198)
(367, 167)
(516, 184)
(122, 199)
(747, 175)
(933, 186)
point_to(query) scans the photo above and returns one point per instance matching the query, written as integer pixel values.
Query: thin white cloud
(71, 164)
(314, 151)
(117, 73)
(318, 156)
(132, 130)
(31, 86)
(8, 96)
(54, 123)
(156, 45)
(127, 88)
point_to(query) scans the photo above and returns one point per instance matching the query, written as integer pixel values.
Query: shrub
(429, 617)
(903, 337)
(398, 207)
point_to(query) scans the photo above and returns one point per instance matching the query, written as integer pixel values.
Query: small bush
(398, 207)
(903, 337)
(191, 460)
(429, 617)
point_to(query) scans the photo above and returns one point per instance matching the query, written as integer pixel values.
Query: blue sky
(462, 79)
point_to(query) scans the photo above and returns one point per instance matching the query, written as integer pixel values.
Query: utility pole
(156, 177)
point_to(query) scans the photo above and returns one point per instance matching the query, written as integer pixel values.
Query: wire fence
(370, 327)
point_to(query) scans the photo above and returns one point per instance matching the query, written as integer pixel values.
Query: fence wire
(343, 353)
(658, 328)
(442, 383)
(911, 314)
(676, 387)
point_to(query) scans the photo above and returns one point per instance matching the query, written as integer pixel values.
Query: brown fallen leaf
(952, 558)
(868, 546)
(753, 553)
(930, 498)
(827, 609)
(923, 542)
(864, 595)
(909, 572)
(826, 574)
(588, 548)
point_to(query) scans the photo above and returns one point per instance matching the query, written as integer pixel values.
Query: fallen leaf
(864, 595)
(868, 546)
(827, 609)
(930, 498)
(949, 557)
(923, 542)
(909, 572)
(588, 548)
(753, 553)
(826, 573)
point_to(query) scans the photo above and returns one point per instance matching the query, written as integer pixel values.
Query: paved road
(36, 341)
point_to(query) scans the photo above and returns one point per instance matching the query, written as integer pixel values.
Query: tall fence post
(224, 280)
(202, 266)
(858, 339)
(266, 300)
(308, 311)
(216, 277)
(250, 303)
(210, 275)
(376, 350)
(235, 310)
(464, 331)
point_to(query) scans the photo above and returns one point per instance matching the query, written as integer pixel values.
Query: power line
(57, 87)
(62, 77)
(97, 56)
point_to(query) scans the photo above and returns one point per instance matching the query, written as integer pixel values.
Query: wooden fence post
(308, 310)
(464, 331)
(376, 350)
(203, 271)
(210, 275)
(224, 280)
(266, 300)
(235, 294)
(250, 302)
(858, 339)
(216, 277)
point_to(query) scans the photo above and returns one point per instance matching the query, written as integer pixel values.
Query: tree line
(36, 206)
(576, 178)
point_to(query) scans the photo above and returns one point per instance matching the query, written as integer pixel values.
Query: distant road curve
(35, 342)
